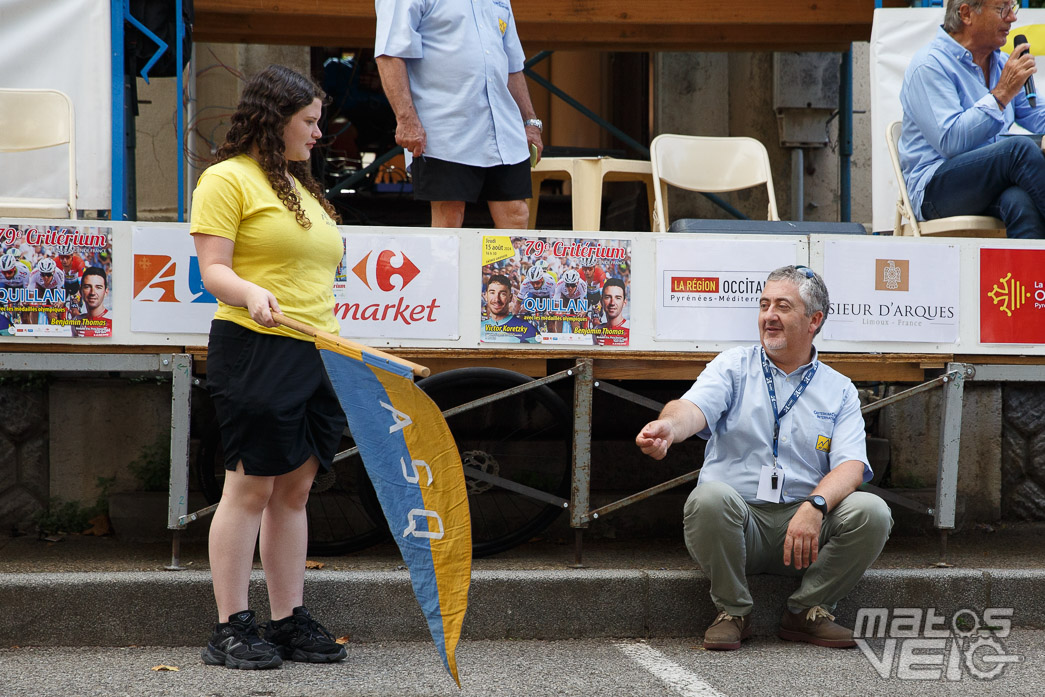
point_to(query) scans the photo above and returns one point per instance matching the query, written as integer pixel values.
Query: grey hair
(810, 286)
(952, 20)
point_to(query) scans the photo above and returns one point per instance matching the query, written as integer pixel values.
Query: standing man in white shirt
(452, 71)
(777, 492)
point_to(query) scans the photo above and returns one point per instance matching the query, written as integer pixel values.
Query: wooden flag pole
(419, 370)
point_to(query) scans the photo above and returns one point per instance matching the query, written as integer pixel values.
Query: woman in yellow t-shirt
(267, 242)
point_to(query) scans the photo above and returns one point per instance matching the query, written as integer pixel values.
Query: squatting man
(786, 451)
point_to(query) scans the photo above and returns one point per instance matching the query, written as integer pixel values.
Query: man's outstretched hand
(655, 438)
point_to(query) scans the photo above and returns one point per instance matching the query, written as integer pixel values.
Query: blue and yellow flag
(412, 460)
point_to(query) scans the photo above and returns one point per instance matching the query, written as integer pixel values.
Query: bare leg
(284, 538)
(232, 535)
(510, 215)
(447, 214)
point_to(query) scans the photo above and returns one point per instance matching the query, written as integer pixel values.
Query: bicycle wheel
(526, 438)
(338, 521)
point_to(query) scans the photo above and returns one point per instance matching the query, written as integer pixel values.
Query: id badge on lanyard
(771, 478)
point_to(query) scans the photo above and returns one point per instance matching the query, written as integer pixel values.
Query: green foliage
(62, 516)
(73, 516)
(152, 467)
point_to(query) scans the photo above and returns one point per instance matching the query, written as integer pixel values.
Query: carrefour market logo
(1010, 294)
(382, 270)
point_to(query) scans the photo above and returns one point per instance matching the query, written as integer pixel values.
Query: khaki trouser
(731, 538)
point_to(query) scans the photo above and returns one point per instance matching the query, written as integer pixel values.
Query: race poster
(555, 291)
(56, 281)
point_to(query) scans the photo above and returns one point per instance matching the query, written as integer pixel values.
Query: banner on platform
(1012, 296)
(398, 286)
(556, 291)
(56, 281)
(168, 296)
(709, 290)
(885, 290)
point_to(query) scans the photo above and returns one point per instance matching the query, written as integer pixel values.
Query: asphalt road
(603, 668)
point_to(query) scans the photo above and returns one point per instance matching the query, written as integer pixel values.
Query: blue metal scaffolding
(121, 15)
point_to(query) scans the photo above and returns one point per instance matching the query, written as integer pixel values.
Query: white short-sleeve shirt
(458, 56)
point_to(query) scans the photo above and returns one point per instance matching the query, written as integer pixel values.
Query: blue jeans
(1004, 179)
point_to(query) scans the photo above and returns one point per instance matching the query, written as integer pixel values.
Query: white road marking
(678, 678)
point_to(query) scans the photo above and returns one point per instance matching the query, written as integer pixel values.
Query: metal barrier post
(580, 490)
(180, 365)
(950, 440)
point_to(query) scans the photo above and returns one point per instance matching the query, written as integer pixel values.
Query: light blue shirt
(458, 56)
(948, 110)
(822, 430)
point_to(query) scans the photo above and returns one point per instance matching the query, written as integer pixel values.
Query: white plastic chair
(954, 226)
(32, 120)
(710, 165)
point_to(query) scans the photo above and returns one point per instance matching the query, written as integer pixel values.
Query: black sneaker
(236, 644)
(301, 638)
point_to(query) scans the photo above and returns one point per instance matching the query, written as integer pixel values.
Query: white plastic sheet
(61, 45)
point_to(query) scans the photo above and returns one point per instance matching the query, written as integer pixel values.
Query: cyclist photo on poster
(554, 290)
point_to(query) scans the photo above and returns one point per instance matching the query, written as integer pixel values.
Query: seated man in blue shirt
(960, 94)
(452, 71)
(777, 492)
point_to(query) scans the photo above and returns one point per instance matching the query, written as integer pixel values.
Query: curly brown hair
(269, 99)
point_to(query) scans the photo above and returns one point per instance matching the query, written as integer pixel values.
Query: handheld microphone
(1028, 86)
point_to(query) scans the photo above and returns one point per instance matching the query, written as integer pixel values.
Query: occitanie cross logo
(1009, 294)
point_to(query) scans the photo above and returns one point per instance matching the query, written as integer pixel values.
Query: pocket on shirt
(503, 13)
(818, 436)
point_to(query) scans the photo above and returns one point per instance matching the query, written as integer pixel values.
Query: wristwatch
(819, 503)
(536, 123)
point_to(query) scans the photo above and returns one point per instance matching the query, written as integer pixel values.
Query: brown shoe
(726, 632)
(815, 626)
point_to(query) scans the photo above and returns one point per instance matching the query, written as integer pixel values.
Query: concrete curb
(177, 608)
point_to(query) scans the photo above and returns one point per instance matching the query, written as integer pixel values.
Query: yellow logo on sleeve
(503, 26)
(823, 444)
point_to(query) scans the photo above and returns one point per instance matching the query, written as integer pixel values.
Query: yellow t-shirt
(235, 200)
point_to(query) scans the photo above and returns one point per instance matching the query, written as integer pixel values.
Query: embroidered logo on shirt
(825, 415)
(823, 444)
(503, 25)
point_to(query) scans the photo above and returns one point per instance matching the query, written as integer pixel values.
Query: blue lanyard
(777, 415)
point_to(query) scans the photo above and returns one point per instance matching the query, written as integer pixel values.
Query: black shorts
(274, 401)
(439, 180)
